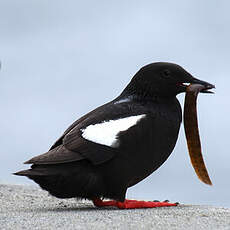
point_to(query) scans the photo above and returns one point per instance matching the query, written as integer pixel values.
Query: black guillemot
(118, 144)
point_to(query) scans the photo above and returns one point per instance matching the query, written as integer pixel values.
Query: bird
(118, 144)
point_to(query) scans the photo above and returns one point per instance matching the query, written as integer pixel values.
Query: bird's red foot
(132, 204)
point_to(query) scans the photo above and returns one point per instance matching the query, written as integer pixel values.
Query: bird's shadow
(71, 209)
(88, 209)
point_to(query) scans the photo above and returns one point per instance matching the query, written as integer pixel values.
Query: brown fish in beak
(192, 131)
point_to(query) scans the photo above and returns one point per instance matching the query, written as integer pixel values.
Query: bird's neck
(143, 93)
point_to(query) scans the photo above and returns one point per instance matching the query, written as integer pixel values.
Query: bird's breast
(152, 140)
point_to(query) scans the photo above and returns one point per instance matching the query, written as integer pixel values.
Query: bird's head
(163, 79)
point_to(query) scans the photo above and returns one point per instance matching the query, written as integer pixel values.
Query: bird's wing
(96, 136)
(59, 154)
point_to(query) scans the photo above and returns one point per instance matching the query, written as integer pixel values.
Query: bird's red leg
(100, 203)
(132, 204)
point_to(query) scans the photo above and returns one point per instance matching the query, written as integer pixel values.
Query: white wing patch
(105, 133)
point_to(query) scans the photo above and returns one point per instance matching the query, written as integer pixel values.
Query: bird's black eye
(166, 73)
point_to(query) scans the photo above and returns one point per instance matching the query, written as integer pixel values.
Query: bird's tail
(75, 179)
(30, 172)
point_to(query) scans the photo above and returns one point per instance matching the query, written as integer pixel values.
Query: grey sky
(61, 59)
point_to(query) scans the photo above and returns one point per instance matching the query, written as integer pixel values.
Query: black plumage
(77, 167)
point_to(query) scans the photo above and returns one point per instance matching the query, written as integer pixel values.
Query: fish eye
(166, 73)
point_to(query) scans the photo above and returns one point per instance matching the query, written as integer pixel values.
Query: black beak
(207, 85)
